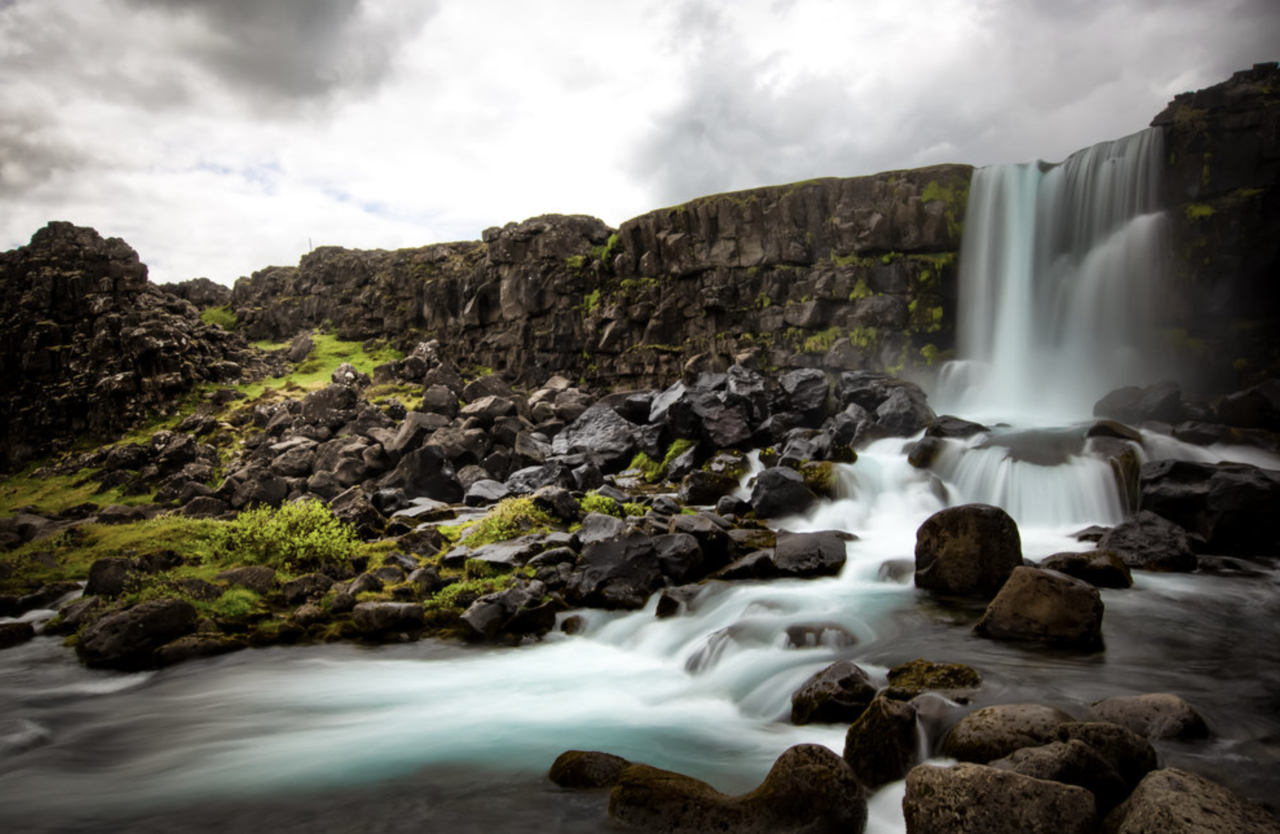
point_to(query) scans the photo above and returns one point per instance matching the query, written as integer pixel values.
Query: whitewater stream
(434, 736)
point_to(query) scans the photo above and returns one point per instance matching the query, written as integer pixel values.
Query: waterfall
(1059, 271)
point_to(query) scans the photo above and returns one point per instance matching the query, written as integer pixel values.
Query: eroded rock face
(89, 347)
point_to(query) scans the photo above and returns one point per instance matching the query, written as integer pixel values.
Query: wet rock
(953, 427)
(1128, 753)
(780, 492)
(194, 646)
(517, 610)
(1228, 505)
(1173, 801)
(127, 639)
(969, 550)
(15, 634)
(881, 746)
(1161, 403)
(1159, 715)
(806, 391)
(680, 557)
(954, 681)
(835, 695)
(1100, 568)
(533, 478)
(617, 573)
(975, 799)
(700, 488)
(378, 618)
(1150, 542)
(602, 431)
(1047, 607)
(587, 769)
(808, 789)
(904, 412)
(809, 554)
(995, 732)
(1254, 408)
(1072, 763)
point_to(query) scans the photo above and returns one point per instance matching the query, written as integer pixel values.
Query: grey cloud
(287, 50)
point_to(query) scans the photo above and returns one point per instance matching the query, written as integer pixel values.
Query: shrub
(594, 502)
(509, 518)
(299, 538)
(235, 603)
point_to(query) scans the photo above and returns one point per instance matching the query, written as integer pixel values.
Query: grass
(56, 493)
(508, 519)
(223, 317)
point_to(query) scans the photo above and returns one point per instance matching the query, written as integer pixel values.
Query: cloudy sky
(220, 136)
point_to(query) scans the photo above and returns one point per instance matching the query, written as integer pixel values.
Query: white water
(1059, 268)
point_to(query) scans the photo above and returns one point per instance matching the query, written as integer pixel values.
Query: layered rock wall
(832, 273)
(89, 347)
(1222, 186)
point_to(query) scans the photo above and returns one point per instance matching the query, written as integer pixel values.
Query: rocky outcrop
(829, 273)
(89, 347)
(1222, 185)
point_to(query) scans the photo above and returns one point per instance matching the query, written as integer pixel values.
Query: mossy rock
(953, 680)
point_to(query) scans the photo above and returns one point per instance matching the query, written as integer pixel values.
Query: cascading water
(1059, 268)
(1056, 275)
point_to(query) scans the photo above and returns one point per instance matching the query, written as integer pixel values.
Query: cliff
(89, 347)
(1221, 185)
(834, 273)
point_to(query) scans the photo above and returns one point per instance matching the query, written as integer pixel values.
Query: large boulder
(377, 618)
(805, 555)
(1100, 568)
(1157, 715)
(1173, 801)
(996, 731)
(128, 639)
(1073, 763)
(602, 431)
(809, 789)
(882, 745)
(1128, 753)
(620, 572)
(975, 799)
(424, 472)
(968, 550)
(1230, 506)
(1161, 402)
(1150, 542)
(781, 491)
(1044, 606)
(835, 695)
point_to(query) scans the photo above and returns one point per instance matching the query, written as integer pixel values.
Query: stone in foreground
(975, 799)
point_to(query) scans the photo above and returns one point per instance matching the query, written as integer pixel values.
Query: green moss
(576, 262)
(223, 317)
(594, 502)
(762, 299)
(591, 301)
(53, 494)
(819, 476)
(929, 354)
(1198, 211)
(860, 290)
(822, 341)
(236, 603)
(509, 518)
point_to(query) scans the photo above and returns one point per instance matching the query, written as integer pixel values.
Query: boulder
(969, 550)
(617, 573)
(780, 491)
(1173, 801)
(602, 431)
(1150, 542)
(1100, 568)
(300, 590)
(680, 557)
(975, 799)
(809, 789)
(700, 487)
(904, 412)
(1228, 505)
(1161, 403)
(516, 610)
(1047, 607)
(804, 555)
(954, 681)
(257, 578)
(996, 731)
(107, 576)
(128, 639)
(806, 391)
(1254, 408)
(424, 472)
(1072, 763)
(378, 618)
(15, 634)
(1128, 753)
(835, 695)
(1158, 715)
(587, 769)
(882, 744)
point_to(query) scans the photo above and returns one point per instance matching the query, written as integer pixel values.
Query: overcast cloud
(220, 136)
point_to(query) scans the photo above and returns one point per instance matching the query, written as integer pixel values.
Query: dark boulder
(1159, 715)
(1161, 402)
(835, 695)
(806, 392)
(1230, 506)
(968, 550)
(516, 610)
(107, 576)
(1173, 801)
(882, 744)
(378, 618)
(809, 789)
(994, 732)
(304, 588)
(128, 639)
(701, 488)
(954, 681)
(1072, 763)
(1044, 606)
(1128, 753)
(1255, 408)
(257, 578)
(1150, 542)
(805, 555)
(587, 769)
(424, 472)
(620, 572)
(975, 799)
(602, 431)
(904, 412)
(15, 634)
(533, 478)
(781, 492)
(1100, 568)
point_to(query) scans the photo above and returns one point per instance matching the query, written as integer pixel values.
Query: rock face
(829, 273)
(89, 347)
(1222, 183)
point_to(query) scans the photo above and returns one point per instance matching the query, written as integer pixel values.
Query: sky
(218, 137)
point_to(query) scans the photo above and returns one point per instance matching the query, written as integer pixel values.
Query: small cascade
(1059, 268)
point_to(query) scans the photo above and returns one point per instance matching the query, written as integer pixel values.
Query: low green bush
(297, 538)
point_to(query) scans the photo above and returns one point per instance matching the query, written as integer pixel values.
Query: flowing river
(435, 736)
